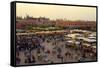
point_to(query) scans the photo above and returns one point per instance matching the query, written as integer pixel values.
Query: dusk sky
(56, 11)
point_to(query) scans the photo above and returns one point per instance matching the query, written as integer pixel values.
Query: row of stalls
(82, 40)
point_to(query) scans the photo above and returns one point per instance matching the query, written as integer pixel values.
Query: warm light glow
(56, 11)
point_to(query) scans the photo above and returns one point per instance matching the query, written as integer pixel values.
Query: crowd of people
(44, 49)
